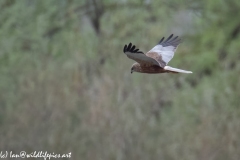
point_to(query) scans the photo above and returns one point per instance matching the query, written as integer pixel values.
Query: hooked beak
(131, 72)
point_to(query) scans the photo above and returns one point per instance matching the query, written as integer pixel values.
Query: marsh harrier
(155, 60)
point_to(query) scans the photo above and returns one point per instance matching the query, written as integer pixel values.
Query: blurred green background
(65, 84)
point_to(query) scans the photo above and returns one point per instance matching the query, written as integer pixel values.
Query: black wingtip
(131, 48)
(169, 37)
(161, 40)
(171, 40)
(125, 47)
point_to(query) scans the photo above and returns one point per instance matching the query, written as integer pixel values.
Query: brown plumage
(150, 69)
(155, 60)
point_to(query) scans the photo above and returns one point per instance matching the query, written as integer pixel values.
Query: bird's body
(151, 69)
(155, 60)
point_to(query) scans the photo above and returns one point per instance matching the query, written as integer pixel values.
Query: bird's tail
(168, 68)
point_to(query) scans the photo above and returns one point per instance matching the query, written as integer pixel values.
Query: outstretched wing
(133, 53)
(163, 52)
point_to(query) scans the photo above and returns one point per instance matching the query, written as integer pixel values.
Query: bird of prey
(155, 60)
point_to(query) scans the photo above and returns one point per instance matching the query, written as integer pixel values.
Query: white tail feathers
(176, 69)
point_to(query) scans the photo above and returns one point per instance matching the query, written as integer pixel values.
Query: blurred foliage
(66, 86)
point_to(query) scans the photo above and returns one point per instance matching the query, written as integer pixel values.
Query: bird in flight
(155, 60)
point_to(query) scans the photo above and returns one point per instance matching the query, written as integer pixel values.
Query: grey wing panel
(166, 49)
(133, 53)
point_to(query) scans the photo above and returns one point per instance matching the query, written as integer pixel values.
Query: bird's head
(135, 68)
